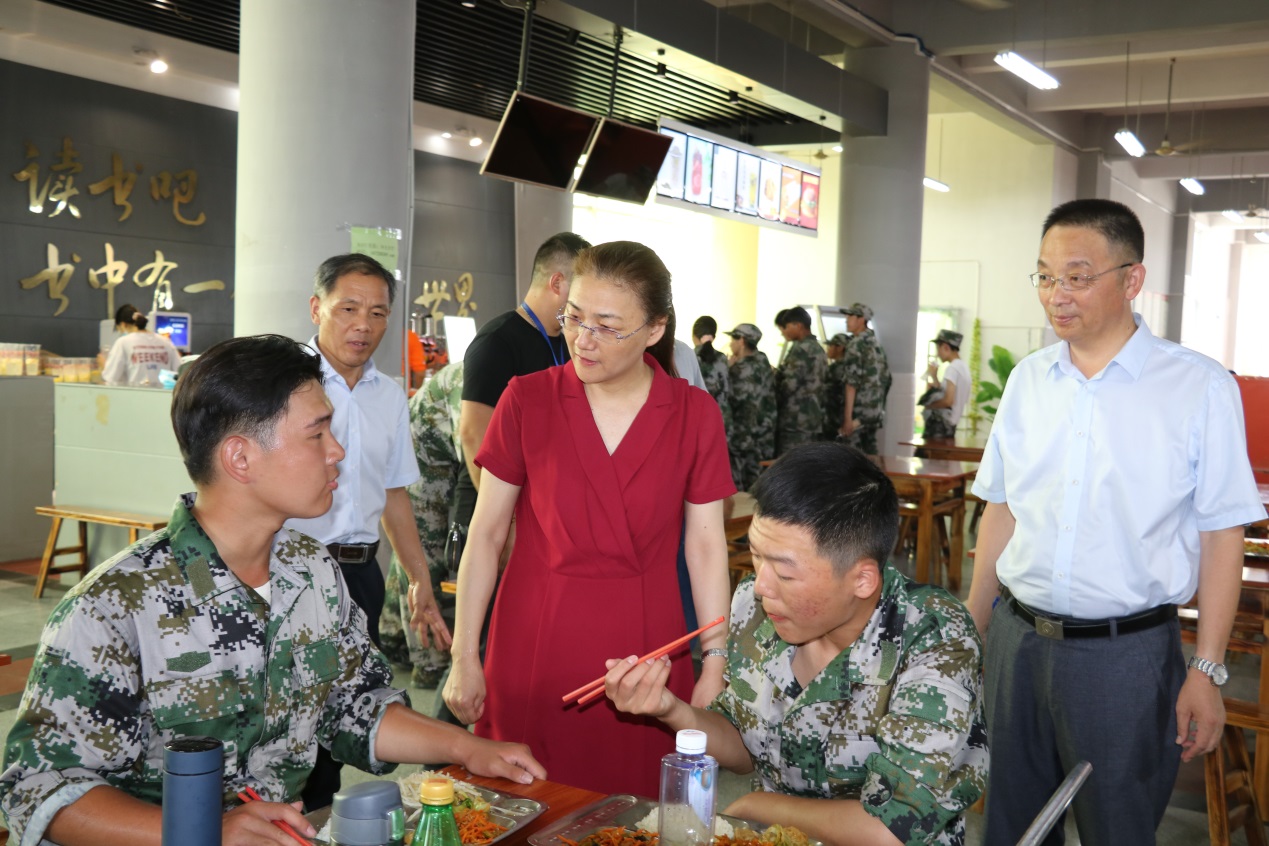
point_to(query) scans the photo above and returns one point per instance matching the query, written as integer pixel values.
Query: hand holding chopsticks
(248, 795)
(595, 689)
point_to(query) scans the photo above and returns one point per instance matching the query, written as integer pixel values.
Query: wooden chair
(1231, 798)
(106, 517)
(953, 509)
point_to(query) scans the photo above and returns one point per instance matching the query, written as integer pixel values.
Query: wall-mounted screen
(791, 195)
(747, 174)
(539, 142)
(724, 190)
(700, 169)
(809, 216)
(623, 162)
(769, 193)
(670, 182)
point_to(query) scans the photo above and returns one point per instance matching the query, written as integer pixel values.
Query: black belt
(1060, 628)
(353, 553)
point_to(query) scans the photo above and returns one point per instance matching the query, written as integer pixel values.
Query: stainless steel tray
(619, 810)
(506, 809)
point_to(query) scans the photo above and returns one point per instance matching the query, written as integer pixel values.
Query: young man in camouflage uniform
(434, 414)
(799, 382)
(835, 386)
(223, 624)
(867, 382)
(753, 406)
(713, 366)
(854, 692)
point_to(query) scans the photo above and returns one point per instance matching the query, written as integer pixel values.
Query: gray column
(324, 141)
(879, 247)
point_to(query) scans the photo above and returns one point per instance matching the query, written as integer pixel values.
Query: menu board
(700, 169)
(724, 196)
(731, 179)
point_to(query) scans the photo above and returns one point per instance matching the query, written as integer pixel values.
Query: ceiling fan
(1166, 147)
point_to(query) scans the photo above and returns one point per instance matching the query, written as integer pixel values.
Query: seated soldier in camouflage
(854, 692)
(223, 624)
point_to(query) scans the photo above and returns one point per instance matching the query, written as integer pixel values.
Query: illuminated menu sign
(709, 173)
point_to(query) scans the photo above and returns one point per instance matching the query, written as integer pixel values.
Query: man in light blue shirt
(352, 299)
(1118, 483)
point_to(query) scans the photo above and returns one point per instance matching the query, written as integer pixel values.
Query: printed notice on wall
(378, 243)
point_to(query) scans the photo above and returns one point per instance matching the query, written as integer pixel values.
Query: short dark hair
(705, 325)
(562, 246)
(1117, 223)
(797, 314)
(329, 271)
(238, 387)
(839, 495)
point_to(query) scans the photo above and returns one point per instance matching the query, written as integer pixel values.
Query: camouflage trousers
(787, 439)
(938, 423)
(863, 439)
(392, 636)
(745, 469)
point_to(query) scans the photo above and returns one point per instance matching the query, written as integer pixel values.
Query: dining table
(937, 488)
(968, 445)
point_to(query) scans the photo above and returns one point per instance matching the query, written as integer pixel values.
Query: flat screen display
(791, 195)
(723, 195)
(670, 181)
(832, 323)
(539, 142)
(623, 162)
(700, 170)
(175, 326)
(747, 175)
(769, 193)
(809, 216)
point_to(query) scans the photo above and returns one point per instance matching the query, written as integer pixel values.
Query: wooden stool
(909, 512)
(1229, 777)
(133, 522)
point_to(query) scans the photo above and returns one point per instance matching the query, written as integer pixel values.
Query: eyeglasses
(608, 336)
(1071, 281)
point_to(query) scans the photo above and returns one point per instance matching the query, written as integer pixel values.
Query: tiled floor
(22, 617)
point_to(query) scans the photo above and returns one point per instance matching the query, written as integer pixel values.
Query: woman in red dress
(602, 463)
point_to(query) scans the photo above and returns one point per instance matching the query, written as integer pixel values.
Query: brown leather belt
(1060, 628)
(353, 553)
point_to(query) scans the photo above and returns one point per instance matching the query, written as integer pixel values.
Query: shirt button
(1061, 576)
(1075, 481)
(1066, 528)
(1079, 434)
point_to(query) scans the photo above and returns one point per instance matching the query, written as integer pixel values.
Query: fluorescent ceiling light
(1129, 142)
(1233, 214)
(1262, 236)
(935, 184)
(1192, 185)
(1026, 71)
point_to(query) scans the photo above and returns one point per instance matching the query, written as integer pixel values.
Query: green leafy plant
(1001, 363)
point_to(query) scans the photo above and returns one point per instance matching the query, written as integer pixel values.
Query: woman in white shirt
(137, 357)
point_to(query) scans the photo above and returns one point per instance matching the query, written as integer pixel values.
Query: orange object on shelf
(1255, 391)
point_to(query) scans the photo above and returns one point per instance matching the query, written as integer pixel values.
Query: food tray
(506, 809)
(619, 810)
(1255, 548)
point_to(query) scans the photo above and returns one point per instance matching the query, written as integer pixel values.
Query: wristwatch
(1216, 672)
(714, 653)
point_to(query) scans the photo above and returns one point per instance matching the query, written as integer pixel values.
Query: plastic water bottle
(689, 782)
(436, 819)
(193, 791)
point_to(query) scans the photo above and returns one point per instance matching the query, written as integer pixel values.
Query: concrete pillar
(540, 213)
(879, 248)
(324, 141)
(1092, 181)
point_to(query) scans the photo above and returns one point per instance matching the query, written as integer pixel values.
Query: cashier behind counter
(223, 624)
(138, 356)
(854, 692)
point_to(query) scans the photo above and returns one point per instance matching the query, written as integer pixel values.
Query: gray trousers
(1052, 703)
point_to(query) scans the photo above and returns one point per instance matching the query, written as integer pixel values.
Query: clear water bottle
(689, 790)
(193, 791)
(436, 820)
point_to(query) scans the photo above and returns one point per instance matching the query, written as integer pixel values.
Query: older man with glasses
(1117, 483)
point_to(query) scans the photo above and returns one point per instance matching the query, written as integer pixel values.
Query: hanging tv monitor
(623, 162)
(539, 142)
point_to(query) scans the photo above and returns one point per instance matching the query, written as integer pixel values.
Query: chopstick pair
(248, 794)
(587, 692)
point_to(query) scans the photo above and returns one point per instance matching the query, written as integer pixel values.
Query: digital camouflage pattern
(869, 371)
(164, 641)
(753, 417)
(718, 383)
(800, 393)
(434, 429)
(895, 721)
(834, 398)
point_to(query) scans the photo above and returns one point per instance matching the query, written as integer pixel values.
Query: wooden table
(937, 487)
(102, 516)
(560, 799)
(966, 446)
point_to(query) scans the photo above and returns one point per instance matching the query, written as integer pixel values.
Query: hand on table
(511, 761)
(639, 687)
(425, 616)
(464, 693)
(252, 824)
(1200, 703)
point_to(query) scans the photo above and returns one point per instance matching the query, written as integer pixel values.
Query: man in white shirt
(1117, 482)
(946, 403)
(352, 299)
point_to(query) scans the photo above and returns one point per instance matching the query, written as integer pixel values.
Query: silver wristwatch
(1216, 672)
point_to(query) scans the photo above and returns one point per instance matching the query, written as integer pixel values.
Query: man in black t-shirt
(515, 343)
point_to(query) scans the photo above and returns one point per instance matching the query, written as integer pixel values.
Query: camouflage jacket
(895, 721)
(868, 370)
(164, 641)
(439, 452)
(800, 386)
(835, 396)
(753, 406)
(718, 383)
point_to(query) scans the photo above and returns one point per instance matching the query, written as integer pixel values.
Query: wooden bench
(134, 523)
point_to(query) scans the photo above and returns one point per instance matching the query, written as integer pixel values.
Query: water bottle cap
(193, 755)
(690, 742)
(437, 791)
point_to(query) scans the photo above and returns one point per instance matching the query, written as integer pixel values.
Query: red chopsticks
(599, 682)
(248, 794)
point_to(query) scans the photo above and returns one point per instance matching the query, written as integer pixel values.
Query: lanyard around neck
(555, 354)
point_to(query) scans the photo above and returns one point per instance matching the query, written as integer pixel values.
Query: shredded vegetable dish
(776, 835)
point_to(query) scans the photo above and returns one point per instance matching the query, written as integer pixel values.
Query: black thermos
(193, 774)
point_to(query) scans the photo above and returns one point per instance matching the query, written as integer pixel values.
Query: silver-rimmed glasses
(1071, 281)
(574, 325)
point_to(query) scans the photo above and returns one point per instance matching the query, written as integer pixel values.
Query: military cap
(747, 331)
(841, 339)
(952, 339)
(860, 310)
